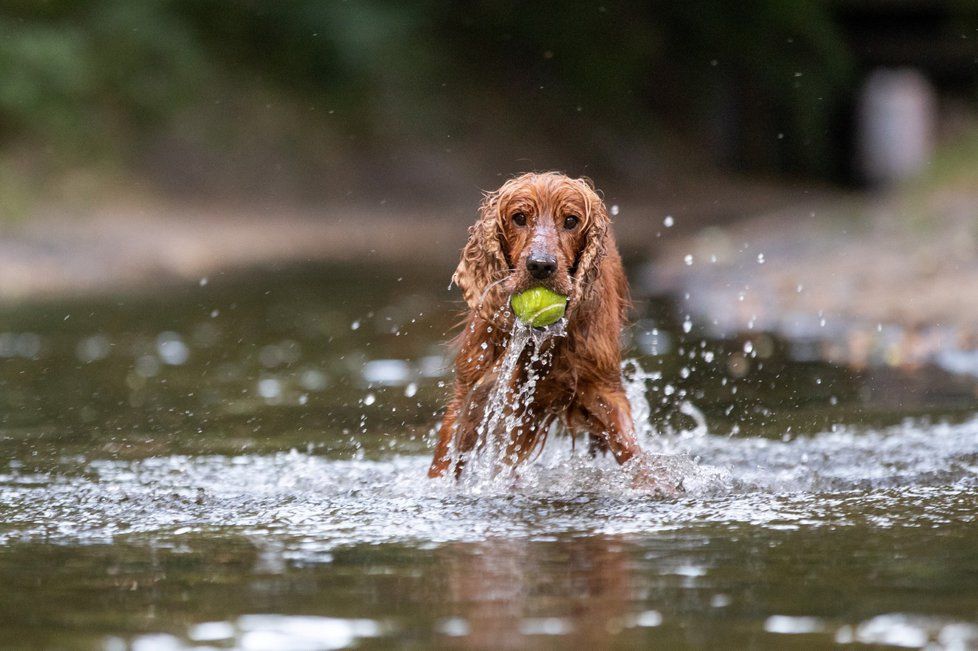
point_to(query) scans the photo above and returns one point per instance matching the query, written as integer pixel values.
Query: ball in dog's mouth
(538, 306)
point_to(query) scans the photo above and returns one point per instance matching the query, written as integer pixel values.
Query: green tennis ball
(539, 306)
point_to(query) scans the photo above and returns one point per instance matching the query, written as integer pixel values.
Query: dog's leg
(458, 433)
(607, 417)
(529, 435)
(596, 445)
(443, 449)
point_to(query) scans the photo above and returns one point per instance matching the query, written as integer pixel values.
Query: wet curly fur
(565, 219)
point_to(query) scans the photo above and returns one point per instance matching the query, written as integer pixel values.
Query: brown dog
(550, 230)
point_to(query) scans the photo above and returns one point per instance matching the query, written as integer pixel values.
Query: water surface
(240, 463)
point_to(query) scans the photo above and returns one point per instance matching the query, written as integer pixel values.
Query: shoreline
(879, 280)
(875, 279)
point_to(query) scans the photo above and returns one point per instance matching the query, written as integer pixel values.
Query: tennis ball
(539, 306)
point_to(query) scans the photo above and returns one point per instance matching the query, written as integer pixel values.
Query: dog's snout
(541, 266)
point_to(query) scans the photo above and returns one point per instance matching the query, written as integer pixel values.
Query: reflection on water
(264, 632)
(242, 464)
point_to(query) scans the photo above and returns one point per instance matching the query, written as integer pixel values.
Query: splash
(635, 380)
(671, 440)
(529, 353)
(912, 475)
(491, 466)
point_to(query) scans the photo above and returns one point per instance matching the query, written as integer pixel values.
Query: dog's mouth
(541, 309)
(523, 282)
(516, 283)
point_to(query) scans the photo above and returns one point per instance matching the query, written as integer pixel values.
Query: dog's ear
(483, 260)
(595, 245)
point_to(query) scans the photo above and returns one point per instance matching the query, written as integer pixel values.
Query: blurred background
(318, 110)
(309, 101)
(227, 229)
(151, 142)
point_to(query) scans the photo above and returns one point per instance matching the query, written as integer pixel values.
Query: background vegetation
(308, 98)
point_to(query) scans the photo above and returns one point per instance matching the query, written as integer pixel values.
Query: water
(491, 465)
(256, 479)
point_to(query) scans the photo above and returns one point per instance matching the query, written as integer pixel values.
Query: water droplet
(688, 259)
(386, 371)
(369, 399)
(648, 619)
(269, 388)
(171, 349)
(454, 627)
(668, 221)
(720, 601)
(94, 348)
(313, 380)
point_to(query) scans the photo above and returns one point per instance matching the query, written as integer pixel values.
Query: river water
(240, 463)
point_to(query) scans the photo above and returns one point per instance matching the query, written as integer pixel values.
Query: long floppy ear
(483, 261)
(596, 244)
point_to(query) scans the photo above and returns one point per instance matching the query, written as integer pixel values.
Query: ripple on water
(911, 475)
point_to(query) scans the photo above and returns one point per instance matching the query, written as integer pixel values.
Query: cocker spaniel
(541, 229)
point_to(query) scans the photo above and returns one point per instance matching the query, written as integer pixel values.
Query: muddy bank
(132, 249)
(140, 245)
(885, 279)
(866, 279)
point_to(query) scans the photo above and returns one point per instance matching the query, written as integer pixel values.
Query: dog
(542, 229)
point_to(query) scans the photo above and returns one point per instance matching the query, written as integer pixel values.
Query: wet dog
(553, 231)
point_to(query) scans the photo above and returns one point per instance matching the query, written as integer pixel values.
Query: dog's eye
(571, 221)
(519, 219)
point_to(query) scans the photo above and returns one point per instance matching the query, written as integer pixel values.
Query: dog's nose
(541, 266)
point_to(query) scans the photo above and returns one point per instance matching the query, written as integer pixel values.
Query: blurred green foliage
(85, 76)
(96, 80)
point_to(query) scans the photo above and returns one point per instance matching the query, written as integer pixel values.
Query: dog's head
(536, 230)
